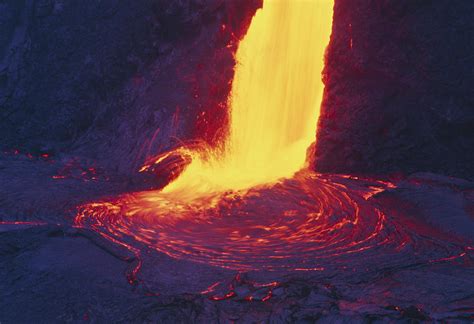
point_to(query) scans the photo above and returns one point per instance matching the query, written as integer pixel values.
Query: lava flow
(295, 224)
(251, 205)
(210, 212)
(275, 101)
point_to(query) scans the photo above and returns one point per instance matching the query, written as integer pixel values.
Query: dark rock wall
(116, 81)
(399, 88)
(120, 81)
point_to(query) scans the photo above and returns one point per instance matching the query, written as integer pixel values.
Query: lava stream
(237, 210)
(308, 223)
(274, 104)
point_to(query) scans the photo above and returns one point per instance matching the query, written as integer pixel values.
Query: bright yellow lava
(275, 101)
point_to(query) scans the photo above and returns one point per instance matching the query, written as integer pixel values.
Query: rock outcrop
(399, 94)
(116, 81)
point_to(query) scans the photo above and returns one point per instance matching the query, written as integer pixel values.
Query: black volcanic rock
(113, 80)
(399, 88)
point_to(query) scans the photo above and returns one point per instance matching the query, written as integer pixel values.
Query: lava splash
(274, 103)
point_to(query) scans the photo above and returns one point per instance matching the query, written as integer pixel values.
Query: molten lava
(275, 101)
(245, 206)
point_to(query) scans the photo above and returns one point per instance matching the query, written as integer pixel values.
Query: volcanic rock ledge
(399, 93)
(116, 82)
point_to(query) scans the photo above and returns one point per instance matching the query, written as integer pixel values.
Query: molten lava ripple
(308, 223)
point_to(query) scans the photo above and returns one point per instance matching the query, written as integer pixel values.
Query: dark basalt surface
(116, 81)
(399, 94)
(417, 266)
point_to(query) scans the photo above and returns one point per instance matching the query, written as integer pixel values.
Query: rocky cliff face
(399, 88)
(113, 80)
(121, 81)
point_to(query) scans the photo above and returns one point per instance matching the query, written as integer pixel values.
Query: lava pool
(335, 228)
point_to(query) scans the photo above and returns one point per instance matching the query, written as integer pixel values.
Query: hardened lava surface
(316, 247)
(312, 222)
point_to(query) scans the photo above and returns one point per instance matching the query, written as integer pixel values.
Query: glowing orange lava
(241, 205)
(275, 101)
(296, 224)
(249, 208)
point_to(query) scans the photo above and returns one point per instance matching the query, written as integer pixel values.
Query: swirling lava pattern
(307, 223)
